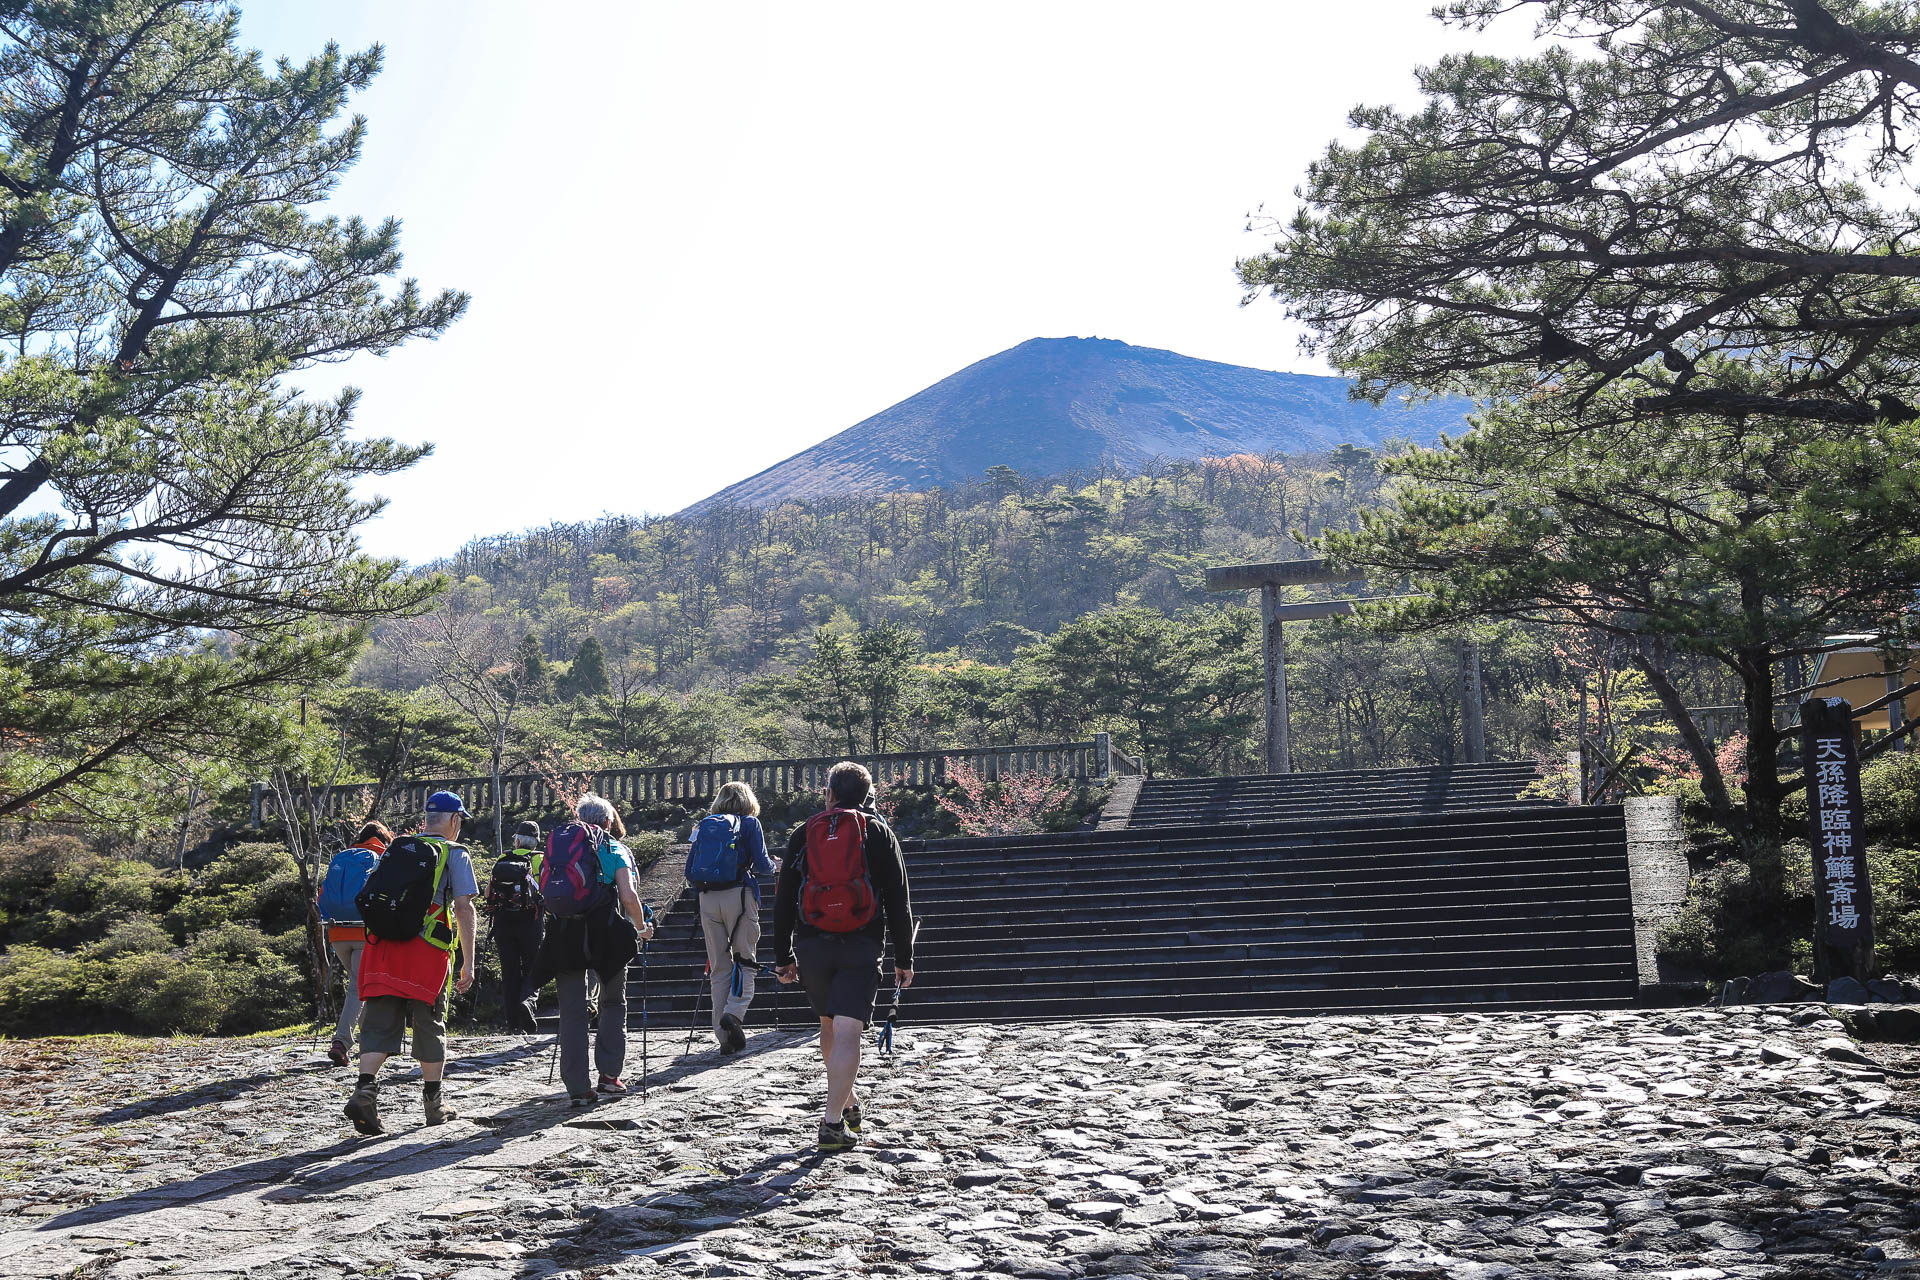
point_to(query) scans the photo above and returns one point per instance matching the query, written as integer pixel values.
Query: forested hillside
(1015, 609)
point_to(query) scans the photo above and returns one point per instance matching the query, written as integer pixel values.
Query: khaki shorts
(384, 1021)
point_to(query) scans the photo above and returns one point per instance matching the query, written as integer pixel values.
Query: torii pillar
(1274, 616)
(1268, 579)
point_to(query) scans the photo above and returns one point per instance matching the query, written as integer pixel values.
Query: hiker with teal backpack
(725, 858)
(418, 907)
(595, 923)
(345, 877)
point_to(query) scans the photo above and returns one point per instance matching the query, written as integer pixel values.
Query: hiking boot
(612, 1086)
(438, 1112)
(363, 1108)
(733, 1036)
(583, 1100)
(837, 1137)
(337, 1053)
(853, 1118)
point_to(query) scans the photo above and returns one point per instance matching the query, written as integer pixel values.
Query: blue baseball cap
(446, 802)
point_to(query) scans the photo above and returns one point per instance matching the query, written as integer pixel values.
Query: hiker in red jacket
(403, 982)
(842, 893)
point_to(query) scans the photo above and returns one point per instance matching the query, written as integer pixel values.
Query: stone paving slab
(1689, 1144)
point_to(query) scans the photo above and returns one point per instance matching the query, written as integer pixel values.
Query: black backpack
(401, 890)
(510, 887)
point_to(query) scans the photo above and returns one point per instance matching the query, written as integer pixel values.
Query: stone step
(1514, 908)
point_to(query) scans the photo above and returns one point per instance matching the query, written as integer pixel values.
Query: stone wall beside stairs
(1657, 872)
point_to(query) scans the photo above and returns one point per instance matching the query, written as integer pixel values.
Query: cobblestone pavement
(1695, 1144)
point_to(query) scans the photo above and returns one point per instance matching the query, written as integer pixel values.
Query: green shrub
(136, 935)
(1895, 872)
(39, 989)
(1728, 929)
(1890, 788)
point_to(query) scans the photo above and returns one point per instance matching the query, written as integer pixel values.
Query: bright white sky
(702, 236)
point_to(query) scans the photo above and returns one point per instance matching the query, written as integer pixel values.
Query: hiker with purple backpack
(595, 923)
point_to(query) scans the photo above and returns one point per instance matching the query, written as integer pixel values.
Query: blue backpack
(346, 876)
(713, 858)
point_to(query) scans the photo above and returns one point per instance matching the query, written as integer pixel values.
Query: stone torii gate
(1268, 579)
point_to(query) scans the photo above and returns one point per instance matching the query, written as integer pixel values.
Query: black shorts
(840, 973)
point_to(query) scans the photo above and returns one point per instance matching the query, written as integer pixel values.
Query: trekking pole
(886, 1032)
(646, 917)
(706, 981)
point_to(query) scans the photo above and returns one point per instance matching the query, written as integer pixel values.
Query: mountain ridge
(1053, 405)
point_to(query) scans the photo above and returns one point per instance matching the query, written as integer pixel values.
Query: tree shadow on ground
(398, 1154)
(213, 1091)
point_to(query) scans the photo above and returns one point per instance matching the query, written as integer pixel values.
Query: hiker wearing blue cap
(417, 906)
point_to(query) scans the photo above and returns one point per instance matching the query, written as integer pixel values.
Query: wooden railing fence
(1095, 760)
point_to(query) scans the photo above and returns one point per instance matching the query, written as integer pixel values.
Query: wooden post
(1897, 709)
(1836, 828)
(1473, 706)
(1275, 646)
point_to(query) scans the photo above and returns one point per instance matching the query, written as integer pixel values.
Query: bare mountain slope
(1061, 404)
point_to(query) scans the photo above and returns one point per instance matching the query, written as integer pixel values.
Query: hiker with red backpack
(418, 907)
(725, 858)
(346, 876)
(842, 893)
(595, 923)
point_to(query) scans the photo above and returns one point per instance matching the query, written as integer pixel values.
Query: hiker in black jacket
(830, 925)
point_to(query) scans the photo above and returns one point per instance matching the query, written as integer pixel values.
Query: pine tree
(177, 528)
(587, 677)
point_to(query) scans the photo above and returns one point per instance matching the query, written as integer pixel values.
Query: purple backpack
(570, 883)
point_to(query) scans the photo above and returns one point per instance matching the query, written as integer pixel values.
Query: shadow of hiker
(772, 1182)
(213, 1091)
(690, 1064)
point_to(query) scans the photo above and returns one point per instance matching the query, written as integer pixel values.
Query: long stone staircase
(1180, 802)
(1514, 908)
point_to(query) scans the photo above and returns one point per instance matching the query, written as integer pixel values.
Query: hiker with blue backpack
(595, 923)
(725, 858)
(346, 876)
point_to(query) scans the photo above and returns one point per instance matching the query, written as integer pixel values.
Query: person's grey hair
(737, 797)
(600, 812)
(526, 842)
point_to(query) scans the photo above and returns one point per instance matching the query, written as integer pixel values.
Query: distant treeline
(1011, 609)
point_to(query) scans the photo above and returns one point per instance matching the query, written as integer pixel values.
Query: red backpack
(837, 895)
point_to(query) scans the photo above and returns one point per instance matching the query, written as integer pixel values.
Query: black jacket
(886, 868)
(601, 940)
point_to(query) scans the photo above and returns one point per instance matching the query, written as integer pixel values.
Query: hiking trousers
(730, 919)
(347, 952)
(610, 1036)
(518, 941)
